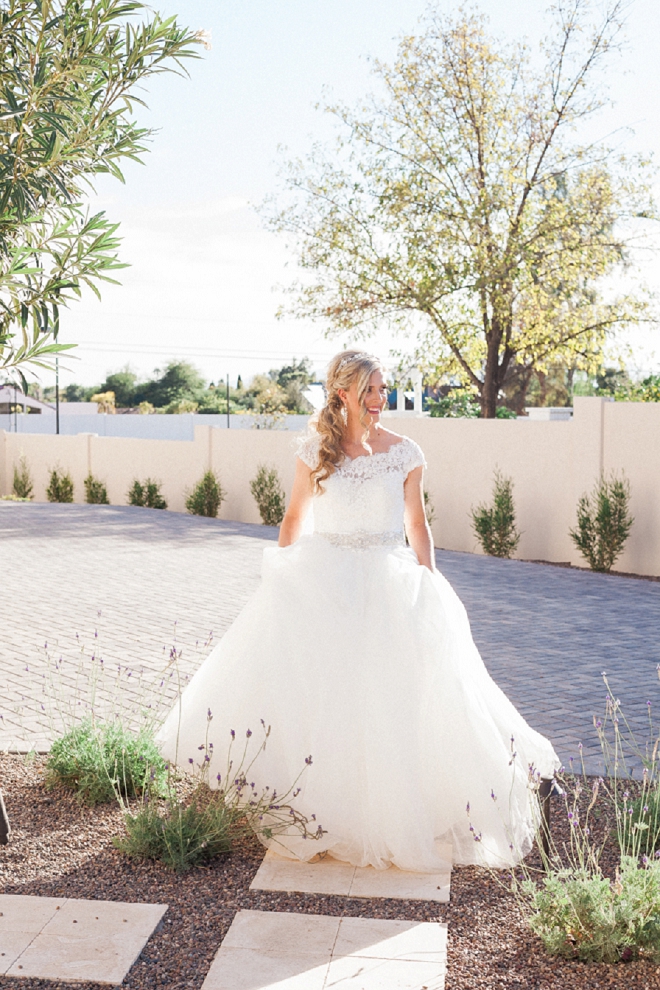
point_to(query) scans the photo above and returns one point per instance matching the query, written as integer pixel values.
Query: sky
(203, 280)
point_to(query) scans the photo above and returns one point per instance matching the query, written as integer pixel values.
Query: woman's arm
(301, 495)
(417, 528)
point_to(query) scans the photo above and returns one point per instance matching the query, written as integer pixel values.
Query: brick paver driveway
(125, 585)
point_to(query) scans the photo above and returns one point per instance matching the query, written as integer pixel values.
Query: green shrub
(60, 487)
(269, 496)
(95, 491)
(182, 833)
(179, 835)
(577, 908)
(642, 834)
(23, 485)
(579, 913)
(146, 494)
(458, 404)
(603, 522)
(495, 525)
(206, 496)
(102, 762)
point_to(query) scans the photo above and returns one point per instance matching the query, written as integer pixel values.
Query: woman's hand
(417, 528)
(301, 496)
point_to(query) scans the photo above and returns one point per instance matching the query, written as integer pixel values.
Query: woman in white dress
(356, 650)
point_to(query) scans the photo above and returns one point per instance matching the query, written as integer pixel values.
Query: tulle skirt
(364, 660)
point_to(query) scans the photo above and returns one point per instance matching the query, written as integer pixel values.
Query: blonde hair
(345, 368)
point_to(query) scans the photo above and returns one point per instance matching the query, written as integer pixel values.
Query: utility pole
(228, 423)
(57, 395)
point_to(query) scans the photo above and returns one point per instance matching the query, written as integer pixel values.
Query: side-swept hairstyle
(345, 368)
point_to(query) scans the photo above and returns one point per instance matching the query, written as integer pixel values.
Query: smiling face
(373, 401)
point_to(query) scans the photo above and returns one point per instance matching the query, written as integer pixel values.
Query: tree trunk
(491, 386)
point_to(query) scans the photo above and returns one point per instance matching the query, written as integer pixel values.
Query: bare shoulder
(390, 439)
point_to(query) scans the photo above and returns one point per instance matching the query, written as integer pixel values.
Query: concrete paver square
(359, 973)
(25, 913)
(11, 946)
(97, 958)
(332, 877)
(255, 969)
(325, 876)
(375, 938)
(271, 930)
(317, 952)
(401, 884)
(107, 918)
(54, 938)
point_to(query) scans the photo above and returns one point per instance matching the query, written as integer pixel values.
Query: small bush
(495, 525)
(458, 404)
(581, 914)
(60, 487)
(206, 496)
(146, 494)
(603, 522)
(182, 833)
(95, 491)
(23, 485)
(101, 763)
(642, 834)
(179, 835)
(269, 496)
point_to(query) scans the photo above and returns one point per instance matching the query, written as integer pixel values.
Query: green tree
(603, 522)
(495, 524)
(176, 382)
(462, 206)
(206, 497)
(71, 75)
(96, 492)
(23, 486)
(123, 383)
(60, 486)
(269, 495)
(79, 393)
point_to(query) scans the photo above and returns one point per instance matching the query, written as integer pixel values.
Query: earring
(344, 412)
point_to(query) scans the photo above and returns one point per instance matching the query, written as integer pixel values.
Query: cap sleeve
(414, 456)
(308, 449)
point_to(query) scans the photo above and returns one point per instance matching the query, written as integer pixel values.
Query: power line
(155, 349)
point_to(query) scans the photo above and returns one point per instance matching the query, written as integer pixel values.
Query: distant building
(11, 397)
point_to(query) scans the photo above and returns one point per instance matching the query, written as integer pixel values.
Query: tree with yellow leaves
(462, 204)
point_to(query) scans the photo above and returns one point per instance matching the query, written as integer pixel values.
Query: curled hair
(345, 368)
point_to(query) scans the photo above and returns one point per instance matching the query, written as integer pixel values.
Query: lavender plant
(183, 831)
(573, 903)
(97, 761)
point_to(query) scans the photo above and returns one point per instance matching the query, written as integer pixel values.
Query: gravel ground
(59, 849)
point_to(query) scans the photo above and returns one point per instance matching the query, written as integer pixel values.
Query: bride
(355, 649)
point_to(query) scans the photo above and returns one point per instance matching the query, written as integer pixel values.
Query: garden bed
(61, 849)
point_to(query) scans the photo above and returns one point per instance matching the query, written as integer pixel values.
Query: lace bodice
(363, 499)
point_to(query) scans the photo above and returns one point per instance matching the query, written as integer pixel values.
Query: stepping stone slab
(329, 876)
(73, 940)
(266, 950)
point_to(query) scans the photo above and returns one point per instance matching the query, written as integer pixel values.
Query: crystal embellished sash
(361, 540)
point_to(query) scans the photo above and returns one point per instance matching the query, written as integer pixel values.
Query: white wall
(153, 427)
(551, 463)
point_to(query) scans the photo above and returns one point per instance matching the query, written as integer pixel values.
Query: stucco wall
(551, 463)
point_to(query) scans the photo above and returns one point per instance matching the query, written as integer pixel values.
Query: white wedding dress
(355, 654)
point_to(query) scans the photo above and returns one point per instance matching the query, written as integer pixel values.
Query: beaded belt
(361, 540)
